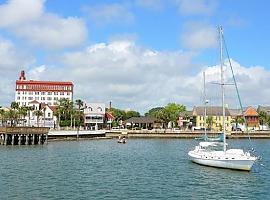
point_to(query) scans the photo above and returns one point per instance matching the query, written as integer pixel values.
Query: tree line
(67, 112)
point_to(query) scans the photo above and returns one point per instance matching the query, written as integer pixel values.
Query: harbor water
(140, 169)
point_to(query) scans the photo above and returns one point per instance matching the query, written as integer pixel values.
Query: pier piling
(23, 135)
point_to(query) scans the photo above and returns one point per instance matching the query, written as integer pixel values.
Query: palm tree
(13, 113)
(29, 110)
(23, 113)
(14, 105)
(210, 121)
(238, 120)
(2, 115)
(38, 113)
(79, 103)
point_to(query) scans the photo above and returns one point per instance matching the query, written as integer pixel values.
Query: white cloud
(140, 78)
(12, 60)
(197, 7)
(16, 12)
(252, 83)
(28, 20)
(198, 36)
(109, 13)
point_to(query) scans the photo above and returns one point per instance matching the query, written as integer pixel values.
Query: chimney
(22, 76)
(110, 107)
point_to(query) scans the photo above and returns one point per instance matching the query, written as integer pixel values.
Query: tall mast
(222, 86)
(204, 96)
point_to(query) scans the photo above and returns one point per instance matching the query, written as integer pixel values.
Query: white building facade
(94, 115)
(48, 119)
(48, 92)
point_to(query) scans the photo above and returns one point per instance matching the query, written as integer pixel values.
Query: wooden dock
(23, 135)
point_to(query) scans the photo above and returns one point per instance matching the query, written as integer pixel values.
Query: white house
(46, 120)
(94, 115)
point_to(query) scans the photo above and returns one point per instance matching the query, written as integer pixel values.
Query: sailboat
(209, 153)
(205, 137)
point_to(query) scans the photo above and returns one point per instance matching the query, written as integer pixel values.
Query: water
(140, 169)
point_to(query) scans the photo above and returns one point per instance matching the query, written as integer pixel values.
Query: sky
(138, 54)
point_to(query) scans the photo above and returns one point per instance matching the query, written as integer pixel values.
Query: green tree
(14, 113)
(172, 111)
(79, 113)
(263, 118)
(153, 112)
(38, 114)
(210, 121)
(23, 113)
(131, 113)
(2, 116)
(14, 105)
(64, 111)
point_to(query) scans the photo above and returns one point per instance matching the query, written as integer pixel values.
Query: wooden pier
(23, 135)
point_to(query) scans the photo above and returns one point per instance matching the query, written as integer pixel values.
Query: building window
(49, 98)
(18, 92)
(30, 93)
(42, 93)
(36, 98)
(42, 98)
(99, 109)
(62, 93)
(49, 93)
(36, 93)
(18, 98)
(55, 98)
(55, 93)
(30, 98)
(49, 114)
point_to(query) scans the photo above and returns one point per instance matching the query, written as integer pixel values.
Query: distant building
(94, 115)
(142, 123)
(46, 120)
(185, 119)
(250, 114)
(214, 118)
(47, 92)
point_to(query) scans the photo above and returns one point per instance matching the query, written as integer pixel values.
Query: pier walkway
(23, 135)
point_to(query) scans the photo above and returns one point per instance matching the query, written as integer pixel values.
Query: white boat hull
(244, 163)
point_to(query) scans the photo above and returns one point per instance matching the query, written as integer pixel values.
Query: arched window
(90, 108)
(99, 109)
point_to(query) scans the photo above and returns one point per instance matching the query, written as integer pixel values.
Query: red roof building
(48, 92)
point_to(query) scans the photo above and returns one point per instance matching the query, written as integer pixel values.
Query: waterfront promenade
(169, 133)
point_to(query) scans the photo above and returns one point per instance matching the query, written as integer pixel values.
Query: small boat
(210, 153)
(122, 139)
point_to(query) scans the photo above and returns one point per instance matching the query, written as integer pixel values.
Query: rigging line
(236, 87)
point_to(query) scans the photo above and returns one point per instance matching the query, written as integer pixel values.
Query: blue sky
(117, 50)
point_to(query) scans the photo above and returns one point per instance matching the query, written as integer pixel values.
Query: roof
(235, 112)
(248, 111)
(109, 115)
(45, 82)
(186, 113)
(34, 102)
(210, 111)
(140, 120)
